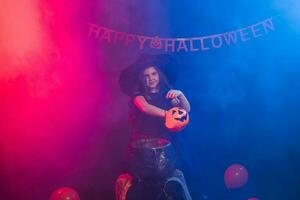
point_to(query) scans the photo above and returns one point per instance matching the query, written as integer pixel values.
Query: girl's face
(151, 78)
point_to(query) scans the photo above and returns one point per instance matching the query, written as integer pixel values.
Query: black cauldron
(152, 158)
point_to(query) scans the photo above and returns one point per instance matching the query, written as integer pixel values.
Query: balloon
(64, 193)
(235, 176)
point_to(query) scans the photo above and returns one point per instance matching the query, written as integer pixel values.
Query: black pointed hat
(129, 77)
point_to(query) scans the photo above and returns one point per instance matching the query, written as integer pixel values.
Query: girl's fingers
(168, 95)
(172, 94)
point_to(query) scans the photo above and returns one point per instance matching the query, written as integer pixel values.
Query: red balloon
(235, 176)
(64, 193)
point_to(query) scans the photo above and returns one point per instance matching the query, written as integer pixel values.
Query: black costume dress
(147, 126)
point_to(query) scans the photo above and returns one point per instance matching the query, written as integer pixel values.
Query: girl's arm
(178, 98)
(141, 103)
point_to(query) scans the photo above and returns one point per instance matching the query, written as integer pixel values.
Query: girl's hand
(173, 94)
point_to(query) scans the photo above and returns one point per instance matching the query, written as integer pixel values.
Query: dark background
(65, 122)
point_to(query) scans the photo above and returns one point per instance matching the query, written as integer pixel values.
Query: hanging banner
(192, 44)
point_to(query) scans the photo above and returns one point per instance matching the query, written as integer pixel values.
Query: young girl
(147, 82)
(152, 97)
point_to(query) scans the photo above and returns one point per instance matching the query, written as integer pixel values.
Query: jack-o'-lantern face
(176, 119)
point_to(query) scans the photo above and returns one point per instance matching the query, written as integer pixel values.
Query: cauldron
(152, 158)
